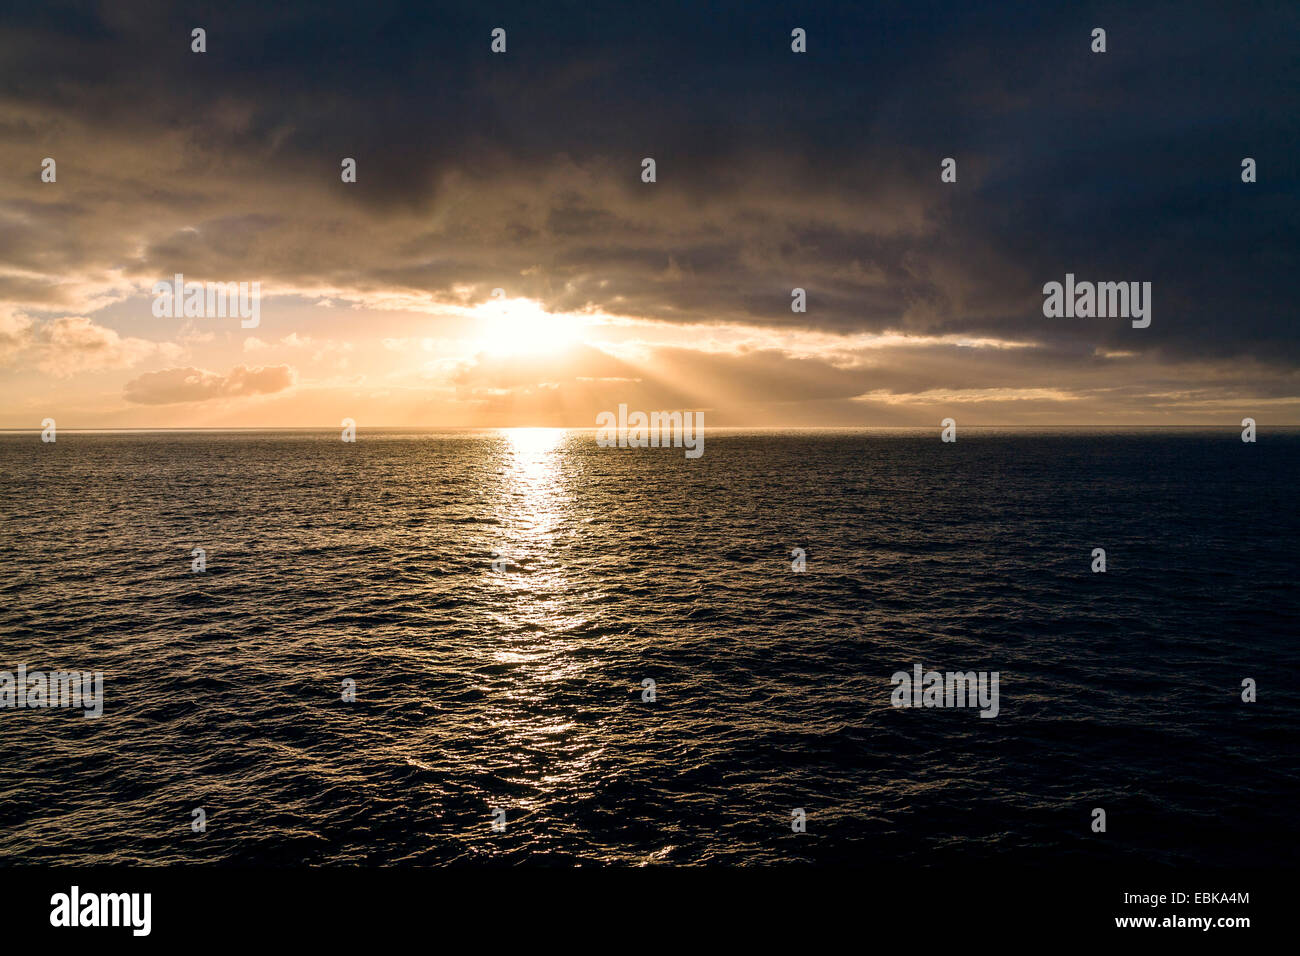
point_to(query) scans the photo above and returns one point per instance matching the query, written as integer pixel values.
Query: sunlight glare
(522, 327)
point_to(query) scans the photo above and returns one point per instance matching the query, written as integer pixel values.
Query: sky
(522, 172)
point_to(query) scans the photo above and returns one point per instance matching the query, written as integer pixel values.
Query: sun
(522, 327)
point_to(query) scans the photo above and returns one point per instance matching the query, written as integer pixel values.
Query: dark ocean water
(521, 689)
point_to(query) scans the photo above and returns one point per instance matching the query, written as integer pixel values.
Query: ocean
(499, 600)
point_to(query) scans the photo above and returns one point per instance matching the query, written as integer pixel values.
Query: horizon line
(249, 428)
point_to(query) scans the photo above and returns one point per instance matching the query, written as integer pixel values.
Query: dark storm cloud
(775, 170)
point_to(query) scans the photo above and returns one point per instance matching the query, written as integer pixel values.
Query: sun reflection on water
(535, 657)
(534, 507)
(533, 470)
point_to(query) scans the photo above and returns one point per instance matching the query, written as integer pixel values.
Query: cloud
(893, 386)
(74, 344)
(15, 334)
(174, 385)
(539, 193)
(775, 170)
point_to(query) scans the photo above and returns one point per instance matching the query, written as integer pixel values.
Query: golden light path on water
(538, 628)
